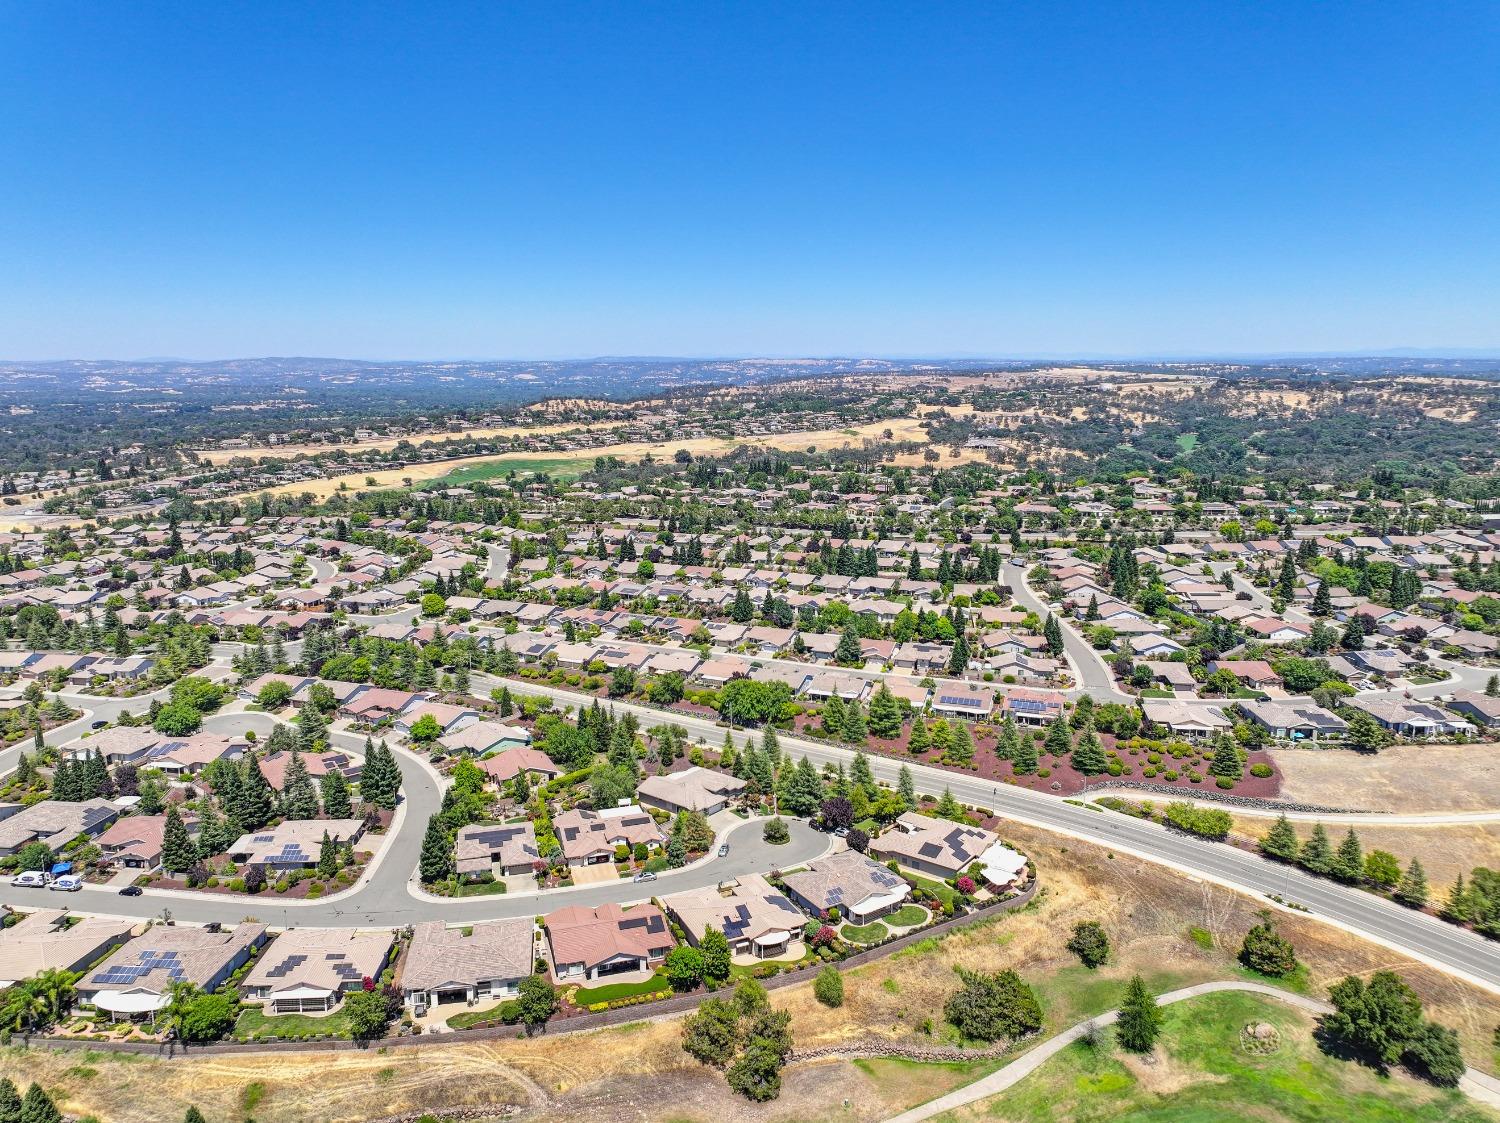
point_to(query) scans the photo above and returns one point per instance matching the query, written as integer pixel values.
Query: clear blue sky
(507, 180)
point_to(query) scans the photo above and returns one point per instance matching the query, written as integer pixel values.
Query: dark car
(98, 724)
(131, 891)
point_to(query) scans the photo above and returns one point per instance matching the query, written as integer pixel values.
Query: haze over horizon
(553, 182)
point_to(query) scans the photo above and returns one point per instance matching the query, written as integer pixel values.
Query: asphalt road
(1094, 674)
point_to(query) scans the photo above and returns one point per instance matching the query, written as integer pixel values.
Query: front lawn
(255, 1024)
(1204, 1072)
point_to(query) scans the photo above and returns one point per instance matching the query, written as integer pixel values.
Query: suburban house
(1481, 709)
(309, 970)
(932, 846)
(134, 842)
(862, 890)
(446, 965)
(1411, 719)
(44, 939)
(756, 919)
(504, 767)
(692, 789)
(589, 837)
(480, 847)
(293, 844)
(591, 943)
(1294, 721)
(1032, 707)
(55, 823)
(482, 737)
(1192, 722)
(138, 979)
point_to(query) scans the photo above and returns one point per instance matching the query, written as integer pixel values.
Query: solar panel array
(132, 973)
(968, 701)
(1028, 706)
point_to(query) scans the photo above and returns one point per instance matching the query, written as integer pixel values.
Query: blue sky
(507, 180)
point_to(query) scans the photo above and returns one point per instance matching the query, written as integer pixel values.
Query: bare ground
(1411, 779)
(629, 1073)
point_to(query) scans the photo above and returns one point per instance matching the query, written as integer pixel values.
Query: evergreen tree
(335, 791)
(10, 1101)
(255, 800)
(1140, 1019)
(380, 779)
(1088, 758)
(1349, 860)
(958, 662)
(1412, 889)
(1023, 760)
(886, 713)
(1317, 854)
(299, 798)
(38, 1107)
(849, 652)
(437, 852)
(328, 857)
(948, 807)
(1281, 841)
(1059, 741)
(920, 740)
(860, 774)
(1052, 633)
(906, 788)
(178, 854)
(1226, 759)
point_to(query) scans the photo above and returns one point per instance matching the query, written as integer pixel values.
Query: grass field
(1201, 1073)
(498, 469)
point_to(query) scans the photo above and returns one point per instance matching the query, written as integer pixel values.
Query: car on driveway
(131, 891)
(724, 850)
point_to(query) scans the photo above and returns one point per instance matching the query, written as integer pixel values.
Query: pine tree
(1317, 854)
(299, 799)
(885, 713)
(1023, 761)
(1349, 861)
(958, 662)
(10, 1101)
(1226, 759)
(335, 791)
(1052, 633)
(920, 740)
(854, 729)
(178, 854)
(193, 1116)
(1005, 744)
(1412, 889)
(1139, 1023)
(255, 798)
(849, 652)
(1457, 906)
(1281, 841)
(38, 1107)
(328, 857)
(1088, 758)
(860, 774)
(380, 779)
(948, 807)
(1059, 741)
(437, 852)
(906, 788)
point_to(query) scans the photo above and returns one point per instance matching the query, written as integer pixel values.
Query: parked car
(724, 850)
(98, 724)
(31, 879)
(131, 891)
(646, 875)
(67, 883)
(841, 832)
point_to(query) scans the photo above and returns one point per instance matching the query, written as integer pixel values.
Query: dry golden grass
(639, 1073)
(217, 456)
(1411, 779)
(1444, 851)
(820, 440)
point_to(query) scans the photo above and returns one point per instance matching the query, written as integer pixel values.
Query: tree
(1382, 869)
(1139, 1023)
(1226, 759)
(1380, 1017)
(712, 1035)
(1088, 758)
(828, 987)
(1412, 889)
(1349, 861)
(756, 1075)
(299, 798)
(178, 853)
(380, 779)
(536, 1001)
(368, 1014)
(425, 730)
(1280, 842)
(776, 832)
(1267, 951)
(1059, 739)
(334, 789)
(1433, 1052)
(437, 852)
(1317, 853)
(1024, 760)
(990, 1007)
(177, 720)
(684, 967)
(906, 788)
(1090, 943)
(1365, 733)
(716, 953)
(193, 1116)
(201, 1017)
(38, 1107)
(34, 856)
(849, 653)
(1052, 633)
(860, 775)
(10, 1101)
(274, 695)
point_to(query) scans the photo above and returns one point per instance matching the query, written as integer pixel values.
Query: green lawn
(945, 892)
(1187, 441)
(253, 1022)
(1204, 1075)
(474, 1017)
(906, 916)
(613, 992)
(865, 933)
(560, 469)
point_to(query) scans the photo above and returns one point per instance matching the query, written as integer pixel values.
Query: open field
(1409, 778)
(816, 440)
(520, 464)
(217, 456)
(627, 1074)
(1202, 1071)
(1444, 851)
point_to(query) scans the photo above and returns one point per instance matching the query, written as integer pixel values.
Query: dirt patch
(1162, 1075)
(1411, 779)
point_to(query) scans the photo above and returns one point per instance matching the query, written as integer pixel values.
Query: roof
(593, 936)
(499, 949)
(844, 878)
(161, 956)
(41, 940)
(476, 843)
(296, 841)
(327, 959)
(694, 789)
(937, 841)
(748, 910)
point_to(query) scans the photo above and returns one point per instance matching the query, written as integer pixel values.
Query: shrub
(829, 987)
(1090, 943)
(777, 832)
(1260, 771)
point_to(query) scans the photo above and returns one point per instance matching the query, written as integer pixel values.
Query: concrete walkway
(1479, 1086)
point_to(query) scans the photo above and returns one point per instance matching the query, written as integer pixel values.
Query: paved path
(1478, 1085)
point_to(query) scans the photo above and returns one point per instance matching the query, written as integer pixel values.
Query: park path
(1478, 1085)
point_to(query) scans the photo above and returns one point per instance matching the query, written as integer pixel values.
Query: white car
(31, 879)
(67, 883)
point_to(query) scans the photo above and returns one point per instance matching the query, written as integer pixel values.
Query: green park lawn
(1203, 1074)
(559, 469)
